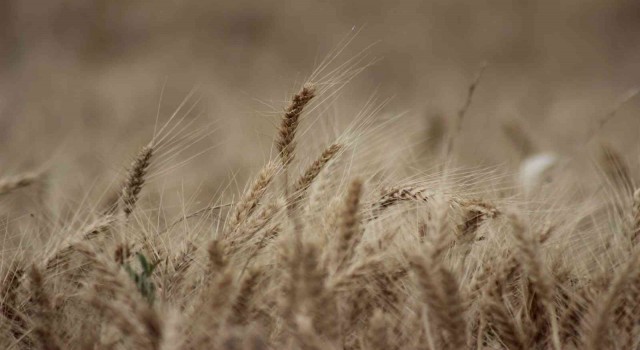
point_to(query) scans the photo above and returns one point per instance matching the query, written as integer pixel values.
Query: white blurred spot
(535, 169)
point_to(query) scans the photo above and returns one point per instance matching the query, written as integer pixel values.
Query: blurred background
(80, 81)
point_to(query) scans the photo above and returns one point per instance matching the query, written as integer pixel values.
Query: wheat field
(333, 222)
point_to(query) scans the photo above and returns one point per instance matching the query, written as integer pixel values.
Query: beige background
(81, 80)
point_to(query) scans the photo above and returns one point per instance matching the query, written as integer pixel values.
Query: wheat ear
(349, 230)
(532, 262)
(250, 199)
(287, 132)
(135, 179)
(45, 312)
(598, 337)
(441, 292)
(12, 183)
(635, 225)
(314, 169)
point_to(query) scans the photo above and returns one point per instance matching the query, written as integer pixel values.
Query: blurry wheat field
(319, 175)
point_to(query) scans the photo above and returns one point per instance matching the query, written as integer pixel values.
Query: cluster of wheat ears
(328, 258)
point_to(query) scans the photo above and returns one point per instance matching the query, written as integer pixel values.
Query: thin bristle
(463, 112)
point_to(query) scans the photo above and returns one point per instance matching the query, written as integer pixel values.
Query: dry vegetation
(334, 250)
